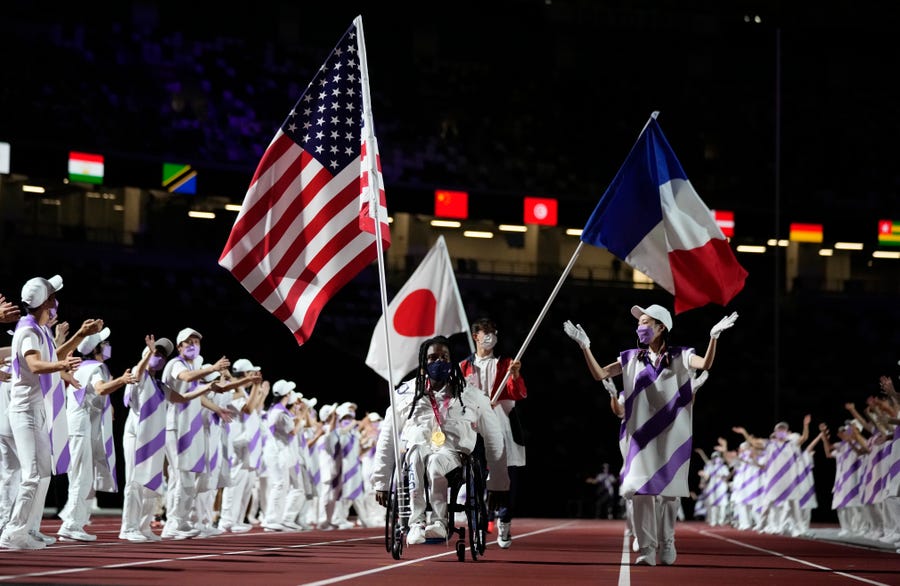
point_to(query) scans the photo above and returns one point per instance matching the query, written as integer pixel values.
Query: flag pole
(541, 316)
(375, 204)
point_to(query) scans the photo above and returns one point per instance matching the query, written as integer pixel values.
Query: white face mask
(488, 341)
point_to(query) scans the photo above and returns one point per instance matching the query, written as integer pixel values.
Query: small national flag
(428, 304)
(451, 204)
(85, 168)
(652, 218)
(806, 233)
(888, 233)
(306, 228)
(178, 178)
(725, 222)
(541, 211)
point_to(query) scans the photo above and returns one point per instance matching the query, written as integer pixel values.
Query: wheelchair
(469, 475)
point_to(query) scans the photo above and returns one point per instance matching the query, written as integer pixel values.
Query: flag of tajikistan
(85, 167)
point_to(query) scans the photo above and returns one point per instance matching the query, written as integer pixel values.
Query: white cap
(295, 396)
(657, 312)
(187, 333)
(165, 345)
(211, 376)
(37, 290)
(345, 410)
(311, 402)
(90, 343)
(244, 365)
(326, 411)
(282, 387)
(374, 417)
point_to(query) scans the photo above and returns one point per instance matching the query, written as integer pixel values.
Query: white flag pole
(541, 316)
(375, 204)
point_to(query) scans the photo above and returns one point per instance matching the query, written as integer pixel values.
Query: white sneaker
(240, 528)
(416, 534)
(22, 543)
(75, 535)
(436, 530)
(667, 554)
(41, 537)
(273, 527)
(647, 557)
(292, 526)
(504, 539)
(150, 535)
(635, 547)
(184, 531)
(135, 536)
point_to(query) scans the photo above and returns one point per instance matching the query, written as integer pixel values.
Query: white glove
(724, 324)
(577, 334)
(610, 387)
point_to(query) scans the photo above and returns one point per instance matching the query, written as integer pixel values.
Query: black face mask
(439, 371)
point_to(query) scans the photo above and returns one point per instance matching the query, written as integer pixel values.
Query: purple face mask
(645, 334)
(346, 422)
(54, 309)
(106, 351)
(156, 362)
(190, 352)
(781, 435)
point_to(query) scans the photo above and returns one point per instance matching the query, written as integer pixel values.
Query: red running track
(544, 551)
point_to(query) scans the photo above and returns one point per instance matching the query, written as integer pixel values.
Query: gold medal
(437, 437)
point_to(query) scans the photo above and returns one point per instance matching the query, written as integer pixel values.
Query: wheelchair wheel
(461, 551)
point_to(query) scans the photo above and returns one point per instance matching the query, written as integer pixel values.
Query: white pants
(428, 472)
(10, 476)
(277, 457)
(33, 446)
(654, 520)
(138, 501)
(182, 488)
(76, 514)
(235, 496)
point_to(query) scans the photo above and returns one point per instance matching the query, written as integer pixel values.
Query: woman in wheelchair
(441, 417)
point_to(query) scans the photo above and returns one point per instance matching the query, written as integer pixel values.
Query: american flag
(306, 228)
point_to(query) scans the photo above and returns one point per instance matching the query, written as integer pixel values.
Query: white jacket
(462, 422)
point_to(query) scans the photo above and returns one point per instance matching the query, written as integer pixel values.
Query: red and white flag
(427, 305)
(306, 227)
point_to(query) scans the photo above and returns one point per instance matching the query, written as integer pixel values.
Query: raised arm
(577, 333)
(705, 362)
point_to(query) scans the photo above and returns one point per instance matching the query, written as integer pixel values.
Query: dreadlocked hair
(456, 383)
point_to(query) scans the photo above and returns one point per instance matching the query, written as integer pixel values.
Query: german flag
(806, 233)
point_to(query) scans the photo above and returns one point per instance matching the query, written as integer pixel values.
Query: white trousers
(10, 476)
(654, 520)
(33, 447)
(138, 501)
(235, 496)
(428, 472)
(182, 489)
(76, 514)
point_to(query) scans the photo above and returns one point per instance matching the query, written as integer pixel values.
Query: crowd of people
(766, 484)
(213, 446)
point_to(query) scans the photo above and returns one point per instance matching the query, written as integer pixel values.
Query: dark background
(790, 120)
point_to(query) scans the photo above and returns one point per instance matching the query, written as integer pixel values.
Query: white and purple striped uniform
(875, 470)
(806, 488)
(746, 485)
(147, 403)
(105, 479)
(847, 477)
(783, 470)
(658, 422)
(893, 481)
(186, 419)
(717, 472)
(52, 388)
(352, 483)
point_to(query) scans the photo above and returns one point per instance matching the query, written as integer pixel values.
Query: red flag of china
(451, 204)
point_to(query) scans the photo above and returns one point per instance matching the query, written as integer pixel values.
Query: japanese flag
(427, 305)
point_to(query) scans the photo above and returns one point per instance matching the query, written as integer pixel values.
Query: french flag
(652, 218)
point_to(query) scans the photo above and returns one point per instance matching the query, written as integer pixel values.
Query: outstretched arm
(578, 334)
(705, 362)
